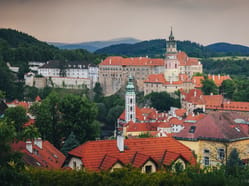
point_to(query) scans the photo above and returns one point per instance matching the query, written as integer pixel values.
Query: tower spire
(171, 37)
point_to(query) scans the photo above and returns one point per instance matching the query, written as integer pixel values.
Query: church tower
(171, 62)
(130, 101)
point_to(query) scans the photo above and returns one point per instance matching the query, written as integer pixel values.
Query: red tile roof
(30, 122)
(185, 60)
(195, 117)
(155, 78)
(136, 61)
(160, 79)
(180, 112)
(93, 152)
(218, 79)
(235, 106)
(212, 101)
(23, 104)
(38, 99)
(143, 114)
(48, 156)
(141, 127)
(215, 126)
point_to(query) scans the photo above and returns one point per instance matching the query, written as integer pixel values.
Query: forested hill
(228, 49)
(18, 48)
(153, 48)
(156, 48)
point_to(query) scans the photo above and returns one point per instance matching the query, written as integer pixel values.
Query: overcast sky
(202, 21)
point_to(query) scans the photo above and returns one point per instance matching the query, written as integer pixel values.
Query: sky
(72, 21)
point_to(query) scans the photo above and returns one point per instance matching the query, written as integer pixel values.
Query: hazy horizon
(76, 21)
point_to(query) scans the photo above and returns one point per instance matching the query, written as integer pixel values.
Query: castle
(169, 74)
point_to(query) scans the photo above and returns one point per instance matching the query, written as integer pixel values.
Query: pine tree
(234, 163)
(70, 143)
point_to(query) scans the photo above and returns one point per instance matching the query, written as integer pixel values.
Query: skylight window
(192, 129)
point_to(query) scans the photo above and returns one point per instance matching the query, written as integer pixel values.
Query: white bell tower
(171, 62)
(130, 101)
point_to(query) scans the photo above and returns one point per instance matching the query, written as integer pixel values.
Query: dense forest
(18, 48)
(156, 48)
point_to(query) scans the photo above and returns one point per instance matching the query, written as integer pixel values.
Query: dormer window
(192, 129)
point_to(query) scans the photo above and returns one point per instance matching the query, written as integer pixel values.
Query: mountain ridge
(92, 46)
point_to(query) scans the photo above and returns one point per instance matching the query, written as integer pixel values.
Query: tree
(57, 117)
(234, 163)
(162, 101)
(98, 92)
(208, 87)
(17, 115)
(227, 88)
(70, 143)
(23, 70)
(113, 115)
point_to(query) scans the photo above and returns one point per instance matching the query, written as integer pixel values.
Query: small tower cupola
(130, 101)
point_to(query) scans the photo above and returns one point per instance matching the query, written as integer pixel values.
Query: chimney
(38, 142)
(195, 93)
(29, 146)
(219, 76)
(213, 76)
(211, 94)
(120, 143)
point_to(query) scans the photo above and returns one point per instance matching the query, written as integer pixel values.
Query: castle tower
(171, 63)
(130, 101)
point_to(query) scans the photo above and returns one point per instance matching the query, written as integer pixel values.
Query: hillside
(95, 45)
(228, 49)
(18, 48)
(153, 48)
(156, 48)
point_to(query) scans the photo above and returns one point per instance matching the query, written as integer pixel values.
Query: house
(39, 153)
(72, 74)
(147, 154)
(218, 79)
(213, 137)
(194, 99)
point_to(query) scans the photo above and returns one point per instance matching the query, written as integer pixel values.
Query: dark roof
(218, 126)
(70, 64)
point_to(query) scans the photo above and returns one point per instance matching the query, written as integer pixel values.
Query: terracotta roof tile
(216, 126)
(93, 152)
(136, 61)
(48, 156)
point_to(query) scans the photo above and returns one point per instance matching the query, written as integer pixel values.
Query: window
(131, 109)
(221, 154)
(148, 169)
(192, 129)
(206, 151)
(206, 161)
(130, 101)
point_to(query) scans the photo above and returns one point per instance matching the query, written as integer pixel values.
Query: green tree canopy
(57, 117)
(228, 88)
(234, 163)
(208, 87)
(162, 101)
